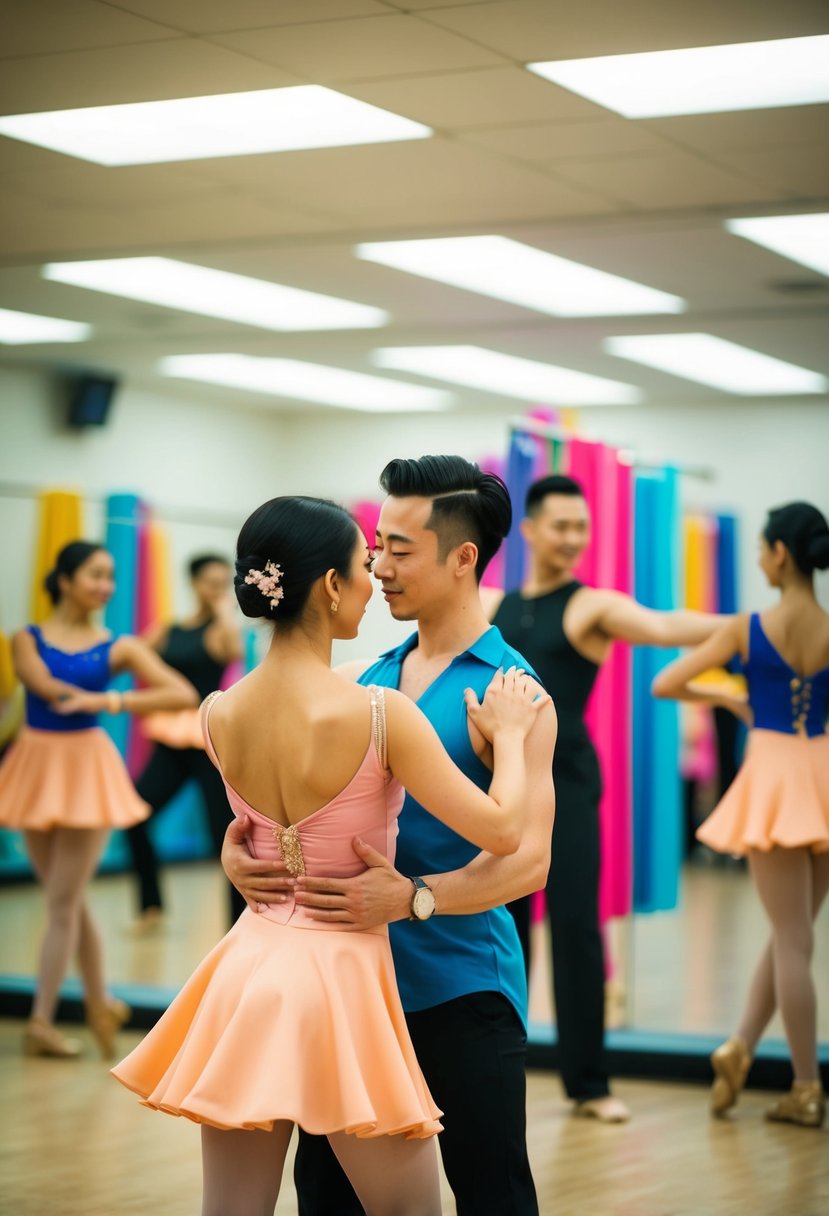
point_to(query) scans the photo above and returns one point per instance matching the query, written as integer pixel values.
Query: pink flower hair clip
(267, 581)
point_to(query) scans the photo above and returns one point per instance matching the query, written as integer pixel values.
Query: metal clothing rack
(161, 512)
(544, 430)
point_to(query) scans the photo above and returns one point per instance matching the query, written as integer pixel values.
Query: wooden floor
(75, 1143)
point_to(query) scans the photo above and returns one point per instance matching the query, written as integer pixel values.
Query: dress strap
(378, 723)
(204, 714)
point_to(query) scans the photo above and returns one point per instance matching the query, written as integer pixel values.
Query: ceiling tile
(548, 143)
(360, 48)
(215, 16)
(41, 27)
(530, 30)
(799, 170)
(181, 67)
(672, 179)
(744, 128)
(473, 99)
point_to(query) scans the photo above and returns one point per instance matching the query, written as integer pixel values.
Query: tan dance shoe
(606, 1109)
(804, 1104)
(731, 1062)
(105, 1021)
(41, 1038)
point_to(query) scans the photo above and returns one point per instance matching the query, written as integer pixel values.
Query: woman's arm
(675, 681)
(164, 688)
(33, 673)
(493, 821)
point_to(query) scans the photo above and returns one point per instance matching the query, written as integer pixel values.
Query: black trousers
(168, 769)
(472, 1051)
(572, 898)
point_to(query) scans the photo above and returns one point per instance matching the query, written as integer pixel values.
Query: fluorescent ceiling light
(802, 238)
(506, 375)
(215, 293)
(700, 80)
(18, 328)
(306, 382)
(227, 124)
(508, 270)
(724, 365)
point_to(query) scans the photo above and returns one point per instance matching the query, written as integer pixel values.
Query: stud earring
(334, 606)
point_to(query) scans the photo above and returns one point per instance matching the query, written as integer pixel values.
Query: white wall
(204, 467)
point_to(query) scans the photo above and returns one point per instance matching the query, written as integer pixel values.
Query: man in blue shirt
(457, 955)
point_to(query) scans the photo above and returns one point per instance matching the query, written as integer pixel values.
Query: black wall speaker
(90, 400)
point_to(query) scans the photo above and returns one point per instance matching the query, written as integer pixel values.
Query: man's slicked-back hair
(467, 504)
(556, 483)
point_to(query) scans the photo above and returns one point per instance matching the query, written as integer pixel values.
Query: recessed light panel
(509, 270)
(700, 80)
(802, 238)
(506, 375)
(301, 381)
(216, 293)
(714, 361)
(226, 124)
(20, 328)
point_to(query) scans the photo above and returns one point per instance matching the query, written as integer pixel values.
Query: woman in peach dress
(291, 1020)
(63, 783)
(776, 811)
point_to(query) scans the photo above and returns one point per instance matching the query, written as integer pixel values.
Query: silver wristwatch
(423, 901)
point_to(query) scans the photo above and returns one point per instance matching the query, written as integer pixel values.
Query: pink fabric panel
(367, 514)
(608, 563)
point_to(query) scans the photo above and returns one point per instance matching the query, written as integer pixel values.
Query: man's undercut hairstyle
(556, 483)
(467, 504)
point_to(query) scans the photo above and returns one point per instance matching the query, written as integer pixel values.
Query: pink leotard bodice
(320, 844)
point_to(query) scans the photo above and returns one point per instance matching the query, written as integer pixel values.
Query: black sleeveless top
(535, 627)
(185, 651)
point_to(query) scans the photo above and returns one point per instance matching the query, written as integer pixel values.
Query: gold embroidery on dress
(290, 847)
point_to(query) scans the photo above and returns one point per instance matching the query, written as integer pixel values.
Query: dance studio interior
(263, 248)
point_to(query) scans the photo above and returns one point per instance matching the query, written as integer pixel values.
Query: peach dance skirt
(72, 779)
(180, 729)
(779, 798)
(286, 1023)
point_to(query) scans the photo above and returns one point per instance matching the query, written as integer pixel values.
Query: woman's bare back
(290, 741)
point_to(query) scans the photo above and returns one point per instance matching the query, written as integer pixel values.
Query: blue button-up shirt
(451, 956)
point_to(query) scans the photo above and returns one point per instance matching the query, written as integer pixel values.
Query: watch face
(423, 903)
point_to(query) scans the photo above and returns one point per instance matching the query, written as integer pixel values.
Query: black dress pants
(572, 898)
(168, 769)
(472, 1052)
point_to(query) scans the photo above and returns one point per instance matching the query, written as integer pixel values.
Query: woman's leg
(391, 1175)
(762, 1003)
(65, 860)
(242, 1170)
(784, 881)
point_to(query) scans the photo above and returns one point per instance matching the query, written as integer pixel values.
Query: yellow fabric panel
(695, 563)
(60, 521)
(7, 676)
(162, 583)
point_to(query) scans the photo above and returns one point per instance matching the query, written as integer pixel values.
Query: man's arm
(381, 894)
(618, 617)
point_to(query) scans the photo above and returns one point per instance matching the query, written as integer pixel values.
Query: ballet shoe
(606, 1109)
(41, 1038)
(731, 1062)
(105, 1020)
(804, 1104)
(148, 922)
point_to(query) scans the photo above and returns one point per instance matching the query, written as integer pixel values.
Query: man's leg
(578, 957)
(473, 1052)
(322, 1187)
(219, 816)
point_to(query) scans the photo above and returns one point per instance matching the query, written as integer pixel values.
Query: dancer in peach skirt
(292, 1020)
(776, 811)
(63, 782)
